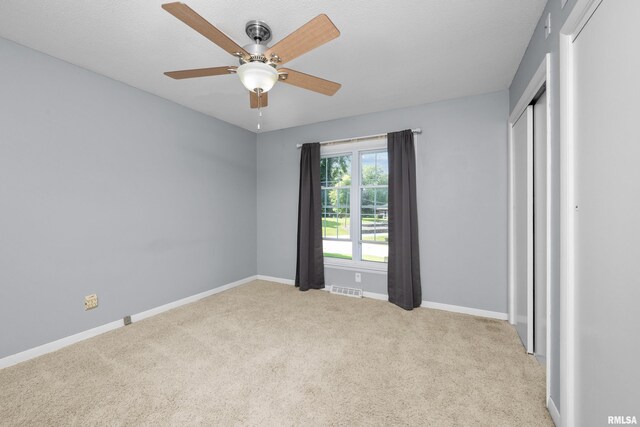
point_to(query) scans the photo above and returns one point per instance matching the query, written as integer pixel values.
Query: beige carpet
(266, 354)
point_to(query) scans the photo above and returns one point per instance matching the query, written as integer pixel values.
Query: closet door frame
(577, 19)
(541, 78)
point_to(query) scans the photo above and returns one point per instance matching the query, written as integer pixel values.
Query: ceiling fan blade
(254, 100)
(200, 72)
(204, 27)
(311, 35)
(309, 82)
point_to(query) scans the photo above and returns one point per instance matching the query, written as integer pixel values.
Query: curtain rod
(359, 138)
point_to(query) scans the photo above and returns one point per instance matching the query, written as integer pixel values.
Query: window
(335, 179)
(374, 192)
(354, 179)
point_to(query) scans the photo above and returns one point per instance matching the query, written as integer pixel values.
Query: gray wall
(110, 190)
(462, 185)
(534, 55)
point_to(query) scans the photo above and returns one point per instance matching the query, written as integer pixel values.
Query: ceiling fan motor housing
(260, 33)
(256, 53)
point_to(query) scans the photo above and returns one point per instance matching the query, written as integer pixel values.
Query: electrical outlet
(127, 320)
(358, 278)
(90, 301)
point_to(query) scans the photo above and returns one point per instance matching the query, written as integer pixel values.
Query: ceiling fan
(259, 63)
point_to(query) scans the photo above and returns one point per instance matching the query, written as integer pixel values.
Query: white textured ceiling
(390, 54)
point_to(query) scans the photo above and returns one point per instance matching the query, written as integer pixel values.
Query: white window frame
(355, 149)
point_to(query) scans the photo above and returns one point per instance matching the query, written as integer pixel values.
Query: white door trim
(576, 20)
(530, 237)
(549, 224)
(541, 77)
(511, 233)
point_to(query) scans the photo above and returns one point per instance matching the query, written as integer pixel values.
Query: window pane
(337, 249)
(373, 214)
(331, 173)
(336, 226)
(367, 226)
(375, 229)
(343, 224)
(367, 163)
(342, 198)
(382, 161)
(324, 225)
(374, 225)
(332, 197)
(338, 171)
(381, 227)
(374, 169)
(367, 197)
(374, 252)
(382, 197)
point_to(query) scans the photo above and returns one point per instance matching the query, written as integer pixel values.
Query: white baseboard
(427, 304)
(58, 344)
(465, 310)
(275, 279)
(375, 295)
(553, 411)
(81, 336)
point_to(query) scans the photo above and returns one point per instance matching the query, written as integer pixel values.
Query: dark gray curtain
(403, 276)
(310, 261)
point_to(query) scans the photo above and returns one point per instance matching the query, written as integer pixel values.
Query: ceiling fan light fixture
(257, 75)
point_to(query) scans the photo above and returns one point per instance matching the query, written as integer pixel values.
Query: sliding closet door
(607, 213)
(540, 228)
(522, 205)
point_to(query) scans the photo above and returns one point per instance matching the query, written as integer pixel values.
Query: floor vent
(348, 292)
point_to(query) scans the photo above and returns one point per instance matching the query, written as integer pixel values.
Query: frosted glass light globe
(257, 75)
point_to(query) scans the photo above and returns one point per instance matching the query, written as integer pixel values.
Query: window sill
(356, 266)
